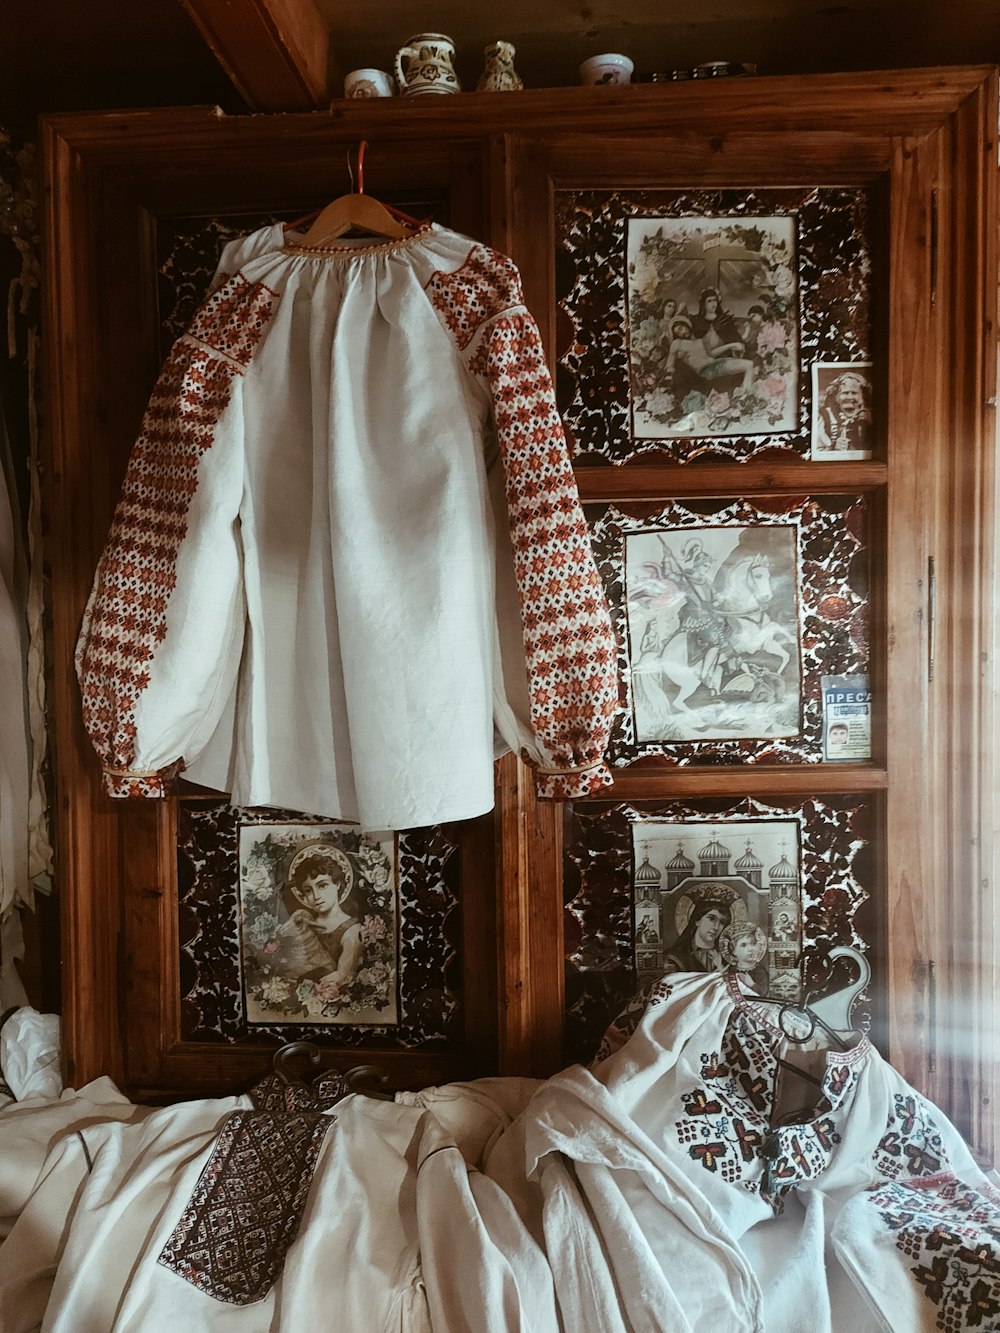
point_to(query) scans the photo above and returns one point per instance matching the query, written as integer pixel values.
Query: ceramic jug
(499, 76)
(429, 69)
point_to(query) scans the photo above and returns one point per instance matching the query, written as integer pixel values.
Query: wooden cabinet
(916, 153)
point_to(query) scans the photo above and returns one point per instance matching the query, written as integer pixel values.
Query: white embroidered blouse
(318, 593)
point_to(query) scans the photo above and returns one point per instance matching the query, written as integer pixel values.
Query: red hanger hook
(361, 165)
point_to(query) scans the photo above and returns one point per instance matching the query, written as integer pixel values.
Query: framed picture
(712, 614)
(318, 914)
(686, 316)
(298, 928)
(706, 898)
(653, 887)
(842, 409)
(729, 615)
(713, 326)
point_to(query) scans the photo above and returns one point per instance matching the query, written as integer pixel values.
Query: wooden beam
(275, 51)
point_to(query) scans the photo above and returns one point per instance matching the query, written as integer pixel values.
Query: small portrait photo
(842, 409)
(318, 923)
(838, 737)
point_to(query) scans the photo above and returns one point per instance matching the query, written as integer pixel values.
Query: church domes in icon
(783, 872)
(680, 861)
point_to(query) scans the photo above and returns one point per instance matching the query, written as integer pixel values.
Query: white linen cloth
(30, 1129)
(29, 1054)
(642, 1195)
(313, 596)
(81, 1255)
(700, 1076)
(925, 1253)
(398, 1234)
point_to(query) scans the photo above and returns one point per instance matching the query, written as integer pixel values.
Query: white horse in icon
(718, 640)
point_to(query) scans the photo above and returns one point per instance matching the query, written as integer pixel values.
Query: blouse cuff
(573, 782)
(121, 783)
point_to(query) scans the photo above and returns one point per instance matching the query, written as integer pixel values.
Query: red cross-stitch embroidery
(569, 643)
(126, 618)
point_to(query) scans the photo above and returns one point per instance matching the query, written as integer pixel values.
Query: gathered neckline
(360, 250)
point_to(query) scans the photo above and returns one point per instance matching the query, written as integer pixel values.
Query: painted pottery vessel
(606, 69)
(424, 65)
(369, 83)
(499, 76)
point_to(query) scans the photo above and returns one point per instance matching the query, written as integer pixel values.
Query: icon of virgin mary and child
(714, 935)
(322, 937)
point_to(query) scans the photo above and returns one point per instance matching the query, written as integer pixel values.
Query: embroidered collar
(755, 1011)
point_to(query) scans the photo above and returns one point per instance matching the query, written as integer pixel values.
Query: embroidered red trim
(126, 618)
(568, 639)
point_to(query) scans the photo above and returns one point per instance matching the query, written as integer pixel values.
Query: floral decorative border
(430, 989)
(835, 246)
(599, 873)
(833, 608)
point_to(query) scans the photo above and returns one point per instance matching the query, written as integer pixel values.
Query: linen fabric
(29, 1054)
(826, 1193)
(314, 595)
(925, 1252)
(391, 1230)
(31, 1129)
(645, 1194)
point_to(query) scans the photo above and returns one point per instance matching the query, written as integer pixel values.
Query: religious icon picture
(716, 898)
(318, 912)
(712, 326)
(713, 639)
(842, 409)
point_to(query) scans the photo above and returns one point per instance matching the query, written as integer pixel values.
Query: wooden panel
(648, 782)
(913, 393)
(117, 862)
(499, 159)
(965, 1033)
(85, 826)
(942, 998)
(932, 502)
(275, 51)
(529, 873)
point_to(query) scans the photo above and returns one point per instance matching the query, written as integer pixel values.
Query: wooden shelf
(653, 481)
(635, 784)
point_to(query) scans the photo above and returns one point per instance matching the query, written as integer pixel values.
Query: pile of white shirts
(664, 1190)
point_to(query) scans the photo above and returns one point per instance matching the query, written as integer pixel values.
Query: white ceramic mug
(608, 68)
(369, 83)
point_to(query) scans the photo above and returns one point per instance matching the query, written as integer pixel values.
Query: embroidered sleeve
(162, 626)
(568, 639)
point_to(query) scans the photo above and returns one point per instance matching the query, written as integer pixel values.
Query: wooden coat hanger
(365, 1079)
(357, 212)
